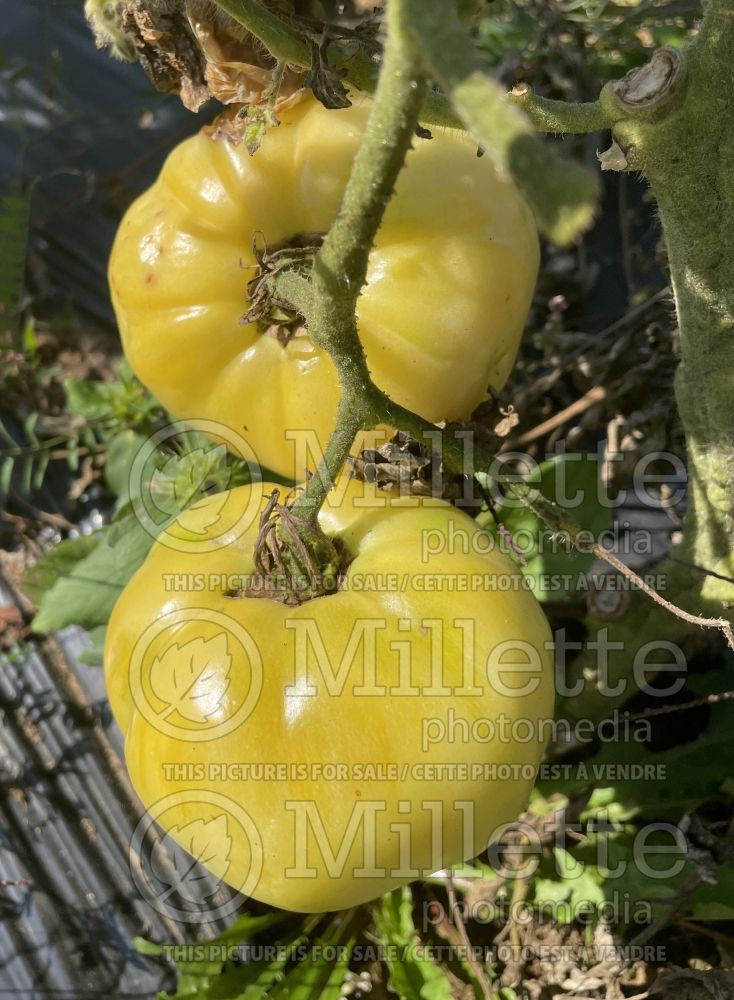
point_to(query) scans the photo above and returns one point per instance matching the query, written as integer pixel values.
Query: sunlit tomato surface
(314, 756)
(449, 284)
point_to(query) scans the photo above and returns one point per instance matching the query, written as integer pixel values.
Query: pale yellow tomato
(314, 756)
(450, 280)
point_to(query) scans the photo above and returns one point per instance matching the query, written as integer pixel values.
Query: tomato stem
(284, 41)
(349, 422)
(564, 117)
(365, 406)
(329, 300)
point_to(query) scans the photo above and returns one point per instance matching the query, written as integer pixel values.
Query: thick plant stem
(340, 267)
(284, 42)
(547, 115)
(674, 123)
(349, 422)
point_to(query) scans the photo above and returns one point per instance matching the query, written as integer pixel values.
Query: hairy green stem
(560, 116)
(350, 420)
(340, 267)
(283, 41)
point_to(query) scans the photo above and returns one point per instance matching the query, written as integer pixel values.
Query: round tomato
(449, 283)
(328, 751)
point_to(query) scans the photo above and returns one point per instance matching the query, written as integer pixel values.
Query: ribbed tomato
(315, 756)
(449, 283)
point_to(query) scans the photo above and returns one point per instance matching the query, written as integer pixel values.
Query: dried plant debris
(238, 68)
(617, 383)
(167, 49)
(196, 50)
(404, 465)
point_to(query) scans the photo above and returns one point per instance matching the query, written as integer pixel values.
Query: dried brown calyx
(274, 317)
(406, 467)
(295, 561)
(194, 49)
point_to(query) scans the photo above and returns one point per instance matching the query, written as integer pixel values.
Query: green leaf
(553, 564)
(315, 980)
(72, 453)
(29, 426)
(87, 399)
(86, 594)
(287, 975)
(6, 473)
(29, 338)
(58, 562)
(412, 975)
(665, 784)
(182, 478)
(587, 891)
(121, 451)
(548, 891)
(120, 402)
(209, 979)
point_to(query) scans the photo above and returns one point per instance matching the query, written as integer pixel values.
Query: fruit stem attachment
(295, 559)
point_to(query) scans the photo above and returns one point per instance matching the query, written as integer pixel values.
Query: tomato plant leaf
(56, 563)
(182, 477)
(80, 584)
(677, 779)
(553, 564)
(121, 451)
(412, 975)
(324, 80)
(204, 977)
(316, 979)
(292, 970)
